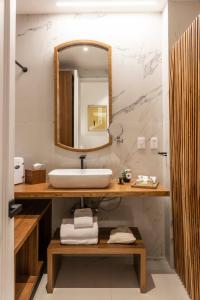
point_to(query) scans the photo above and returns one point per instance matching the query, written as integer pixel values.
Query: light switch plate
(141, 142)
(154, 143)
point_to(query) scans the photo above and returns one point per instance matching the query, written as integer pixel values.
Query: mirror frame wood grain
(57, 104)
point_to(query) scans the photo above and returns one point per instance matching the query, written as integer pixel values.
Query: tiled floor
(105, 278)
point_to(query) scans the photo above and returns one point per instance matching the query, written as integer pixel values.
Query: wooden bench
(56, 250)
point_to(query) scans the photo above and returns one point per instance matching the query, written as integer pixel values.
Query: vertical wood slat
(185, 156)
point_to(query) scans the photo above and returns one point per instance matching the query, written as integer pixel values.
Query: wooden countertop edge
(47, 195)
(24, 191)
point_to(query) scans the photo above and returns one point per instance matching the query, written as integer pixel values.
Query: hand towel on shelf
(83, 218)
(67, 231)
(93, 241)
(121, 235)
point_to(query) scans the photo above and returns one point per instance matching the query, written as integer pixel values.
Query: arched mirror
(83, 91)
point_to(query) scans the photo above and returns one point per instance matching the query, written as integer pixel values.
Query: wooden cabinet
(32, 230)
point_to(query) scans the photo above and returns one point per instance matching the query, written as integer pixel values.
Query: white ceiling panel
(88, 6)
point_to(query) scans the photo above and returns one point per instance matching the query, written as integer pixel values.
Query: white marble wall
(136, 41)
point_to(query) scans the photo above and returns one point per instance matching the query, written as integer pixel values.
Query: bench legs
(53, 264)
(140, 269)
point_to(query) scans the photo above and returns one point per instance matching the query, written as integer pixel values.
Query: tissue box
(35, 176)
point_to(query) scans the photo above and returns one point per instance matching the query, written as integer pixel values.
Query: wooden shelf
(32, 225)
(44, 190)
(101, 248)
(26, 222)
(24, 290)
(25, 284)
(23, 228)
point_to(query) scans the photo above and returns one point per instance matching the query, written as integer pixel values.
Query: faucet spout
(82, 157)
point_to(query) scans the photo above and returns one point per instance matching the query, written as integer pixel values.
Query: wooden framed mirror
(83, 95)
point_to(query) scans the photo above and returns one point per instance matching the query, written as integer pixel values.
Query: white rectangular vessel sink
(80, 178)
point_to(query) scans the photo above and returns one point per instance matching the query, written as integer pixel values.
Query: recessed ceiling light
(85, 49)
(105, 3)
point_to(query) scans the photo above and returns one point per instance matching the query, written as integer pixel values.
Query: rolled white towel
(83, 218)
(79, 242)
(69, 232)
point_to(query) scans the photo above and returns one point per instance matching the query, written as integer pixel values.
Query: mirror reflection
(83, 97)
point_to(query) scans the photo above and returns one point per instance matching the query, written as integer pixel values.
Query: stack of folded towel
(83, 229)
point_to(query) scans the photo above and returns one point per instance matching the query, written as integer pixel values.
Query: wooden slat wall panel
(185, 156)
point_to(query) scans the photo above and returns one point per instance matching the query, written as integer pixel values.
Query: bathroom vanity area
(33, 233)
(83, 122)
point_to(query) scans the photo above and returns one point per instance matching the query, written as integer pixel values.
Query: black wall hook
(162, 153)
(24, 69)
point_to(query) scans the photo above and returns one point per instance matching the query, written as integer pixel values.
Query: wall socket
(154, 143)
(141, 142)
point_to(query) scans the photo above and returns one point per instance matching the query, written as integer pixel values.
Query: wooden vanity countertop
(44, 190)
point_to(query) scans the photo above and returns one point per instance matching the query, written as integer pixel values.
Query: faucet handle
(82, 157)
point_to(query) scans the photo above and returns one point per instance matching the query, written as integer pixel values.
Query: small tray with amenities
(147, 185)
(149, 182)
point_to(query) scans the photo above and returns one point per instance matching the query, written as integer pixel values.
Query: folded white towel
(121, 235)
(83, 218)
(68, 232)
(80, 242)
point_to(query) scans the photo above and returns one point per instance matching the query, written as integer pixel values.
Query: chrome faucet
(82, 157)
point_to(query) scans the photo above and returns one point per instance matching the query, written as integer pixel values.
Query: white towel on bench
(80, 242)
(69, 232)
(83, 218)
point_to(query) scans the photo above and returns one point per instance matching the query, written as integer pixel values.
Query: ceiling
(89, 6)
(93, 63)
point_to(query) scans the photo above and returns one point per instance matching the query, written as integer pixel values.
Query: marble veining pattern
(152, 64)
(47, 26)
(146, 98)
(150, 60)
(117, 97)
(137, 104)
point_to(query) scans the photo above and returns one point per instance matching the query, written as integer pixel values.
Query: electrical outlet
(141, 142)
(154, 143)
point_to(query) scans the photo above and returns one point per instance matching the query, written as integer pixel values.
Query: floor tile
(111, 278)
